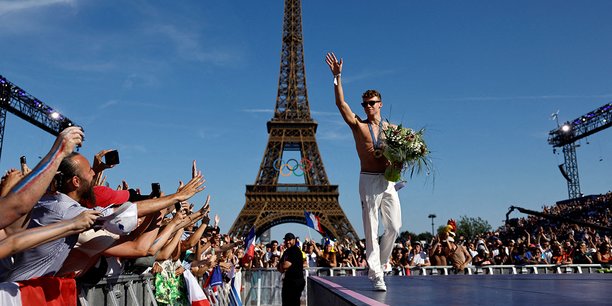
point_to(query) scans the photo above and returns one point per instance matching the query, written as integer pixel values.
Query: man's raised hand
(195, 185)
(68, 139)
(334, 65)
(98, 164)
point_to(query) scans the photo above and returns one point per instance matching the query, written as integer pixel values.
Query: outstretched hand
(195, 185)
(334, 65)
(85, 220)
(9, 180)
(205, 210)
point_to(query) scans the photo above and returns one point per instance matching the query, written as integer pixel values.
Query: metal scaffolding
(17, 101)
(566, 136)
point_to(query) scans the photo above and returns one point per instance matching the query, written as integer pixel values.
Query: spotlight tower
(567, 134)
(28, 108)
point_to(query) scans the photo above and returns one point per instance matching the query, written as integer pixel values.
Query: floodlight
(566, 128)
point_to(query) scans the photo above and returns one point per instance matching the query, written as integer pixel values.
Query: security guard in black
(292, 264)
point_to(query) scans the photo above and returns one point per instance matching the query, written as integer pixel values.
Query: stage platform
(528, 289)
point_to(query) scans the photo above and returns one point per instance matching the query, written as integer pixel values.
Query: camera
(65, 123)
(111, 157)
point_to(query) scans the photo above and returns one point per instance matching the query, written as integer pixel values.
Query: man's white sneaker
(379, 284)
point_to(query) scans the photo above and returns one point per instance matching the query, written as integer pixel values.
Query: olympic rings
(305, 165)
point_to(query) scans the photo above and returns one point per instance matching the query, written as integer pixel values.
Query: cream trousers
(378, 197)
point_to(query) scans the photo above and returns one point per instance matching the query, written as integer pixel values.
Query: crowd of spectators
(61, 219)
(531, 240)
(534, 240)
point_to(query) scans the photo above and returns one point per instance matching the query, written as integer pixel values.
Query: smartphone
(155, 190)
(22, 161)
(111, 158)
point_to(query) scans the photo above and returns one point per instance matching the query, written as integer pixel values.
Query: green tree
(425, 236)
(405, 236)
(472, 227)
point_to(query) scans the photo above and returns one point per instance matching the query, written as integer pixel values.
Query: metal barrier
(125, 290)
(263, 286)
(509, 269)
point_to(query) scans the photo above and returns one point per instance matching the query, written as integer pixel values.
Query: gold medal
(378, 153)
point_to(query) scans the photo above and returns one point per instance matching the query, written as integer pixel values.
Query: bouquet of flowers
(406, 150)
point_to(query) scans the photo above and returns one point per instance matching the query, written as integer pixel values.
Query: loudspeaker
(562, 169)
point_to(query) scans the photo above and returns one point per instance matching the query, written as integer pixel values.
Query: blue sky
(169, 82)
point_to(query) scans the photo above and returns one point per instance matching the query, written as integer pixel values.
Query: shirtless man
(377, 194)
(458, 256)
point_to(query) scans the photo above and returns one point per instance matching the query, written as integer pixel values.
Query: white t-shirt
(419, 258)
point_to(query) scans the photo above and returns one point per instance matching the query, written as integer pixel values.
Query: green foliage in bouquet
(405, 148)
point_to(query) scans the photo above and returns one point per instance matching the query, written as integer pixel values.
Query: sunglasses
(370, 103)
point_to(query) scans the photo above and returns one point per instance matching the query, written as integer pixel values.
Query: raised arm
(336, 69)
(137, 244)
(35, 236)
(99, 166)
(21, 198)
(195, 237)
(9, 180)
(165, 234)
(168, 249)
(184, 193)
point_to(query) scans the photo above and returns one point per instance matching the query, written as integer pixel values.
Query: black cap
(289, 236)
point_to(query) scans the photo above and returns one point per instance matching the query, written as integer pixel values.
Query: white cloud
(7, 6)
(209, 134)
(257, 110)
(317, 113)
(147, 80)
(542, 97)
(333, 135)
(188, 46)
(87, 66)
(366, 75)
(108, 104)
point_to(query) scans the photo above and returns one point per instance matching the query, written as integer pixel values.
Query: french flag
(53, 291)
(249, 246)
(197, 297)
(313, 221)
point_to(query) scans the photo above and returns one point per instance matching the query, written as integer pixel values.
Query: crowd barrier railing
(509, 269)
(264, 286)
(123, 290)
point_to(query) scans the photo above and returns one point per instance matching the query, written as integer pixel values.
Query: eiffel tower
(268, 202)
